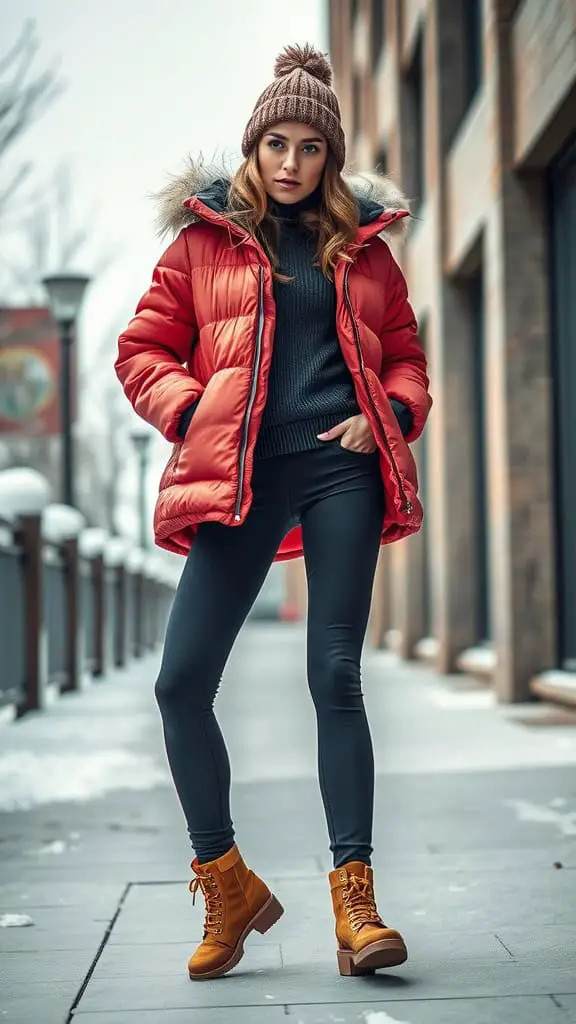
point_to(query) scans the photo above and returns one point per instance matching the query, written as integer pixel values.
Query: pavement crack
(503, 944)
(99, 952)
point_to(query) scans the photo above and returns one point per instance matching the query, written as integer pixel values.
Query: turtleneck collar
(291, 211)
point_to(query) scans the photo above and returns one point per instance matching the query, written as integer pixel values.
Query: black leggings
(338, 497)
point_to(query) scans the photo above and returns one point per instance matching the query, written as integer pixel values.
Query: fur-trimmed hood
(373, 192)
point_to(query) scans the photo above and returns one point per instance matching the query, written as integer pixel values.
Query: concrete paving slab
(54, 930)
(568, 1004)
(169, 961)
(242, 1015)
(299, 985)
(44, 1002)
(512, 1010)
(31, 1009)
(26, 893)
(547, 941)
(45, 967)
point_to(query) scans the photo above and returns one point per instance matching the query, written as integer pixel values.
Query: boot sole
(266, 917)
(385, 953)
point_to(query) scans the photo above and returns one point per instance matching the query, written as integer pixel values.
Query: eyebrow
(284, 138)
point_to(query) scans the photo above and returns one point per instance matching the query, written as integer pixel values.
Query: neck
(291, 211)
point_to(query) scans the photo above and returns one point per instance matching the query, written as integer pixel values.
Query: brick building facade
(471, 106)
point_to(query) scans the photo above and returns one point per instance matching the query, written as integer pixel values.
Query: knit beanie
(301, 91)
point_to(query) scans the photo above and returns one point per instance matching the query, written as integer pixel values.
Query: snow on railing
(92, 542)
(23, 491)
(61, 522)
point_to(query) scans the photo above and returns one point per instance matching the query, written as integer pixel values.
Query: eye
(275, 143)
(311, 148)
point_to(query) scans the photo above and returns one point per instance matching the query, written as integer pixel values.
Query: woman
(277, 350)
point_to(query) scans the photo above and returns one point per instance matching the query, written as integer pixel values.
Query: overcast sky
(146, 84)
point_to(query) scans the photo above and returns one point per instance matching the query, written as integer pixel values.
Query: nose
(290, 165)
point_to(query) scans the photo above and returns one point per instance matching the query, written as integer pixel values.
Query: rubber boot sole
(266, 917)
(385, 953)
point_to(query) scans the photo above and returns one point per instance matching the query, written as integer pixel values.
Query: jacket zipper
(253, 389)
(408, 506)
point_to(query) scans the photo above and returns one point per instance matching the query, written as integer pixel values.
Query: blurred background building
(471, 106)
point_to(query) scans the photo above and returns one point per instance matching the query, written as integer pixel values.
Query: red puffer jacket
(205, 330)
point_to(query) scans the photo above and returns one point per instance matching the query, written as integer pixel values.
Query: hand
(355, 434)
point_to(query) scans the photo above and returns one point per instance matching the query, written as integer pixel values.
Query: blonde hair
(334, 225)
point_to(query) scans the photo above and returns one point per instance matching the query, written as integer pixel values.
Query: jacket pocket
(171, 467)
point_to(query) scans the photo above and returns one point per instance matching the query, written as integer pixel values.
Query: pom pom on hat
(304, 58)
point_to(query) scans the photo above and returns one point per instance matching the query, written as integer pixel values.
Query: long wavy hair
(334, 225)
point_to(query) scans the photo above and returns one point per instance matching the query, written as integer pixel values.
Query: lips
(288, 183)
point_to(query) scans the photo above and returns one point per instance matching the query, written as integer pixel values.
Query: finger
(337, 431)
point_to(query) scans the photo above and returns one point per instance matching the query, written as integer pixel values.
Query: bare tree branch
(18, 179)
(23, 101)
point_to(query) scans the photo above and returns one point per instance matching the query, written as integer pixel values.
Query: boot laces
(213, 919)
(360, 904)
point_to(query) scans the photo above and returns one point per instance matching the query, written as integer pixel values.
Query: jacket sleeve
(404, 372)
(157, 343)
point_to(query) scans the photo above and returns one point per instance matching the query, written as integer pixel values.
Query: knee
(171, 687)
(181, 685)
(335, 683)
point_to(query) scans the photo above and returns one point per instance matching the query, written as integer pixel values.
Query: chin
(286, 196)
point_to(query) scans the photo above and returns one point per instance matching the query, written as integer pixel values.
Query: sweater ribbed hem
(300, 436)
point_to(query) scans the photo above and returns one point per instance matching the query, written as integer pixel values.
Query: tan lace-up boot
(365, 943)
(237, 902)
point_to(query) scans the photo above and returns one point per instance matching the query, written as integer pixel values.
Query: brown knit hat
(301, 91)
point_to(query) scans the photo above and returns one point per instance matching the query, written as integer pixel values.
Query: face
(292, 158)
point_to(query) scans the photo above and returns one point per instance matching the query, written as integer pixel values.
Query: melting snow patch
(15, 921)
(527, 811)
(28, 779)
(381, 1017)
(52, 849)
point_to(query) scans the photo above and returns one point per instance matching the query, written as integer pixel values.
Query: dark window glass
(473, 48)
(377, 29)
(415, 128)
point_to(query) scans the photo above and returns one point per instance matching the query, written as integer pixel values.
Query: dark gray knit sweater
(310, 388)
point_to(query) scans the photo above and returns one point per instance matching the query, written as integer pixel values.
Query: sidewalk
(475, 806)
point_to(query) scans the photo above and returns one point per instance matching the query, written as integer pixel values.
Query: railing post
(135, 565)
(35, 636)
(62, 525)
(120, 646)
(24, 494)
(73, 632)
(99, 587)
(92, 544)
(115, 554)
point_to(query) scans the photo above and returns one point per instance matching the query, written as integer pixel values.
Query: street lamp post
(141, 441)
(65, 295)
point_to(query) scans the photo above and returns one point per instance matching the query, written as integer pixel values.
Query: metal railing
(73, 603)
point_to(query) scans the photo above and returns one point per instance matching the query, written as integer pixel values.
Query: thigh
(341, 528)
(222, 577)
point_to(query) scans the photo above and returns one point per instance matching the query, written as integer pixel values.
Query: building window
(477, 319)
(382, 160)
(472, 30)
(377, 29)
(356, 103)
(414, 126)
